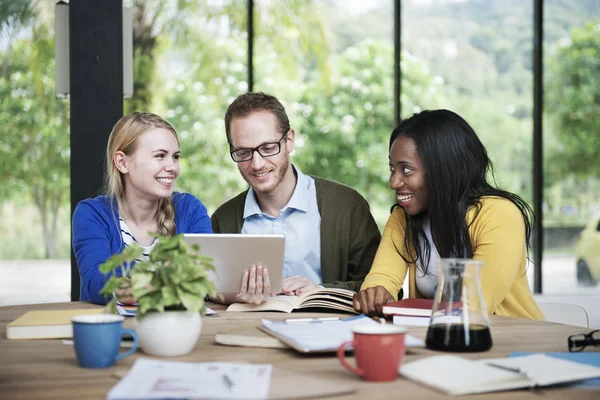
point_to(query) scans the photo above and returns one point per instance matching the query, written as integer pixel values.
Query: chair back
(563, 313)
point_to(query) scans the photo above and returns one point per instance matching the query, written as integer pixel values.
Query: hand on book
(371, 300)
(296, 285)
(256, 286)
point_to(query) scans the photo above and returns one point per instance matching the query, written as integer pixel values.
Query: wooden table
(47, 369)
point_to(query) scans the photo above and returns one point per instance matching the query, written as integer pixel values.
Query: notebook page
(458, 376)
(585, 357)
(545, 370)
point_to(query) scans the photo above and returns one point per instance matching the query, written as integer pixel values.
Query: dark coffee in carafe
(459, 320)
(457, 338)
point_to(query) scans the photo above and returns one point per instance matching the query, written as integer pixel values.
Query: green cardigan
(349, 234)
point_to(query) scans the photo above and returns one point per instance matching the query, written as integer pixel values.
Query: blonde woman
(142, 165)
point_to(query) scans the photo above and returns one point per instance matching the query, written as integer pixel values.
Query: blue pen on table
(310, 320)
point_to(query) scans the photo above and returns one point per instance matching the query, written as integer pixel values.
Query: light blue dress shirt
(299, 221)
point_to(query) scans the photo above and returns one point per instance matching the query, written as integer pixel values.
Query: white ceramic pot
(170, 333)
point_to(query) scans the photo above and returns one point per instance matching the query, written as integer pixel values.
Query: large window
(331, 62)
(475, 60)
(198, 75)
(34, 162)
(571, 147)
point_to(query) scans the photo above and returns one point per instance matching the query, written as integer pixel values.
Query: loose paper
(157, 379)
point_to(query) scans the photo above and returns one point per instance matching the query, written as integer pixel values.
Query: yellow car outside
(587, 254)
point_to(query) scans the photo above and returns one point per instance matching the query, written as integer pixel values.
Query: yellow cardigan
(497, 236)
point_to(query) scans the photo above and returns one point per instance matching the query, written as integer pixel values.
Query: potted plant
(170, 288)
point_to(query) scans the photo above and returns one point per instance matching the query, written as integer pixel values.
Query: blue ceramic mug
(97, 339)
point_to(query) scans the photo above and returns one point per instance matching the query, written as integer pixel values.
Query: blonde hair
(124, 137)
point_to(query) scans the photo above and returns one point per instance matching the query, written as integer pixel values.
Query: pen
(229, 383)
(310, 320)
(511, 369)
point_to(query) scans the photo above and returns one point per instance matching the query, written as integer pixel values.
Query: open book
(324, 298)
(460, 376)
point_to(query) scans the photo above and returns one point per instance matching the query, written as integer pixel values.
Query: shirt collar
(298, 201)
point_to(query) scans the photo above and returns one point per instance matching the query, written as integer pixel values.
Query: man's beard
(281, 171)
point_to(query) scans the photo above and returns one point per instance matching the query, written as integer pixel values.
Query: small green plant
(175, 277)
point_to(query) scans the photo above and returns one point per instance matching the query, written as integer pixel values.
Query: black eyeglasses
(265, 150)
(582, 340)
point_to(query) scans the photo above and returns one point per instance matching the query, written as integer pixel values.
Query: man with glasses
(330, 235)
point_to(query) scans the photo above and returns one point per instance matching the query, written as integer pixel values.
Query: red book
(412, 307)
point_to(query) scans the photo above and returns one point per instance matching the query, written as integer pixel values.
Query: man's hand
(256, 286)
(370, 301)
(296, 285)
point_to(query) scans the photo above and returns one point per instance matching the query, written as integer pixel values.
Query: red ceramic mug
(378, 350)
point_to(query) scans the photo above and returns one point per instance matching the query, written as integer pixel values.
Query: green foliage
(34, 143)
(13, 15)
(143, 72)
(291, 42)
(151, 21)
(175, 277)
(574, 100)
(212, 70)
(22, 232)
(345, 136)
(196, 100)
(473, 57)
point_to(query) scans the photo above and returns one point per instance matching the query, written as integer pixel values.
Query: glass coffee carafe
(459, 320)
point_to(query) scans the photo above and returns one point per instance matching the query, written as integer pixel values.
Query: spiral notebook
(321, 335)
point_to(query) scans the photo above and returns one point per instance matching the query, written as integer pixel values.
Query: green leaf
(169, 295)
(198, 288)
(111, 307)
(151, 302)
(141, 279)
(191, 302)
(174, 277)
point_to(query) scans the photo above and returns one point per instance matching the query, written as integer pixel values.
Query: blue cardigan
(97, 236)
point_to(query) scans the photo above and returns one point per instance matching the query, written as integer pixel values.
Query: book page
(275, 303)
(328, 303)
(342, 294)
(330, 298)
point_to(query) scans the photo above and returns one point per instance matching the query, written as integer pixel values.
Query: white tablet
(232, 253)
